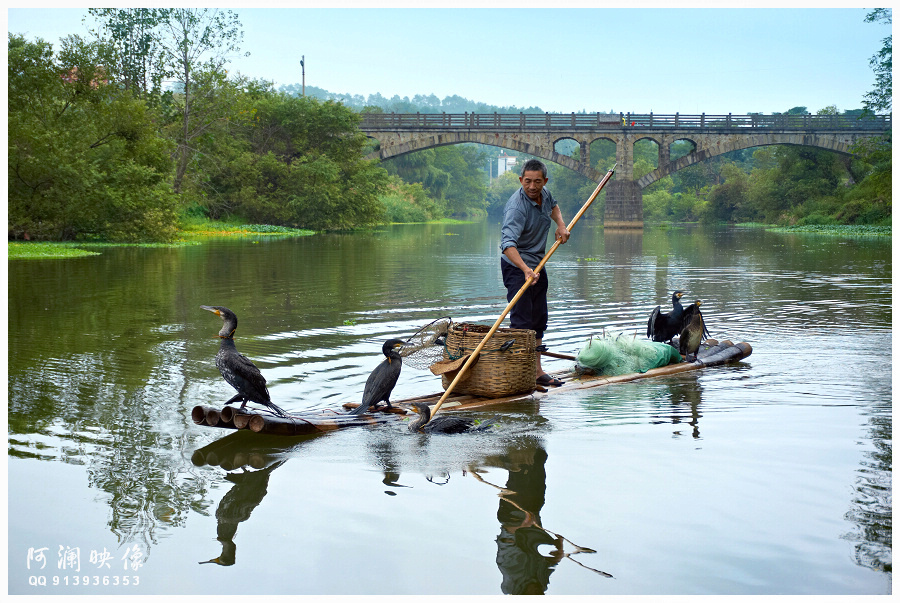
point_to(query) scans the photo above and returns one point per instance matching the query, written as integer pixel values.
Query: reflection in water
(871, 509)
(526, 571)
(383, 453)
(237, 505)
(237, 451)
(392, 479)
(685, 394)
(622, 246)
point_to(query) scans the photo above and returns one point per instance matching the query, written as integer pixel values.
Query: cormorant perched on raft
(692, 332)
(381, 382)
(444, 424)
(663, 326)
(236, 368)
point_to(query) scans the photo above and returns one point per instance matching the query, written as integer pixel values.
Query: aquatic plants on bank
(39, 251)
(189, 235)
(216, 229)
(32, 250)
(852, 230)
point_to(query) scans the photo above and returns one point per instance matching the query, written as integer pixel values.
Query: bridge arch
(600, 138)
(693, 143)
(566, 141)
(394, 144)
(828, 142)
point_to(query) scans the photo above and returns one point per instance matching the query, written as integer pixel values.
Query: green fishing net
(623, 353)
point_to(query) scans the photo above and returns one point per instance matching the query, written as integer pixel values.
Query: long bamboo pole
(528, 283)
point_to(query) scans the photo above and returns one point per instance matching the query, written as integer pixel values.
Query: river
(771, 475)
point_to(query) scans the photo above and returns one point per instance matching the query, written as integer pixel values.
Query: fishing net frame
(424, 347)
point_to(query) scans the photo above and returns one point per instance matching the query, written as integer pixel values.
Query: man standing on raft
(523, 240)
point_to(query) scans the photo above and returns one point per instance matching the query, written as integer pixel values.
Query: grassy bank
(190, 233)
(217, 228)
(39, 251)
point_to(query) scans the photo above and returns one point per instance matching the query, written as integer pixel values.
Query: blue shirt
(525, 226)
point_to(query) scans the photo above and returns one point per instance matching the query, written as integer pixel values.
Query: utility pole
(303, 69)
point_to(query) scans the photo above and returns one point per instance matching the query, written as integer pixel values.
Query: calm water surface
(767, 476)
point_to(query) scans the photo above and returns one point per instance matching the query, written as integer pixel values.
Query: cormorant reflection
(685, 397)
(256, 458)
(236, 506)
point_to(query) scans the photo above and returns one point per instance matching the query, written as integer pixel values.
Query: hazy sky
(711, 60)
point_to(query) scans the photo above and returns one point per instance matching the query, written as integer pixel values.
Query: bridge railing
(488, 120)
(606, 121)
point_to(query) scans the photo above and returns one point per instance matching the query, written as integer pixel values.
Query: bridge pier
(663, 157)
(624, 205)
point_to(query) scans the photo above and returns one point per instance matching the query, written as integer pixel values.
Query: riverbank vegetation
(101, 148)
(191, 231)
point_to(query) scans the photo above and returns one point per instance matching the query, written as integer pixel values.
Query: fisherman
(527, 218)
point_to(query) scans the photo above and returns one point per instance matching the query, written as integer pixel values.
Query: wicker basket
(497, 373)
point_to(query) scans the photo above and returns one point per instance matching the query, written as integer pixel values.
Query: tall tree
(187, 47)
(195, 42)
(879, 99)
(132, 32)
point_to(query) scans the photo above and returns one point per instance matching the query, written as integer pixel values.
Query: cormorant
(444, 424)
(692, 332)
(236, 368)
(663, 326)
(381, 382)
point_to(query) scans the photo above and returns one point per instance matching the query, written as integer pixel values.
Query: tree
(84, 156)
(420, 167)
(132, 32)
(294, 161)
(195, 40)
(187, 47)
(466, 193)
(728, 201)
(500, 191)
(879, 98)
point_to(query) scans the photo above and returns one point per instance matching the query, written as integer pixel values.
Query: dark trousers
(530, 312)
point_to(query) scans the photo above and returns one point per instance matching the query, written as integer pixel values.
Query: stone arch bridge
(537, 134)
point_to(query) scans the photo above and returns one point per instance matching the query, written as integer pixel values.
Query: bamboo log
(212, 418)
(209, 416)
(453, 400)
(198, 415)
(298, 425)
(713, 348)
(242, 420)
(560, 356)
(733, 352)
(229, 413)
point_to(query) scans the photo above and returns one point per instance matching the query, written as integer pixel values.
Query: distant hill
(419, 103)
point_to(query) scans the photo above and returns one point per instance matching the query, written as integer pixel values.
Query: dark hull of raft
(712, 353)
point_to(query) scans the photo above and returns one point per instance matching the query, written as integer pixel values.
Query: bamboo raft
(711, 353)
